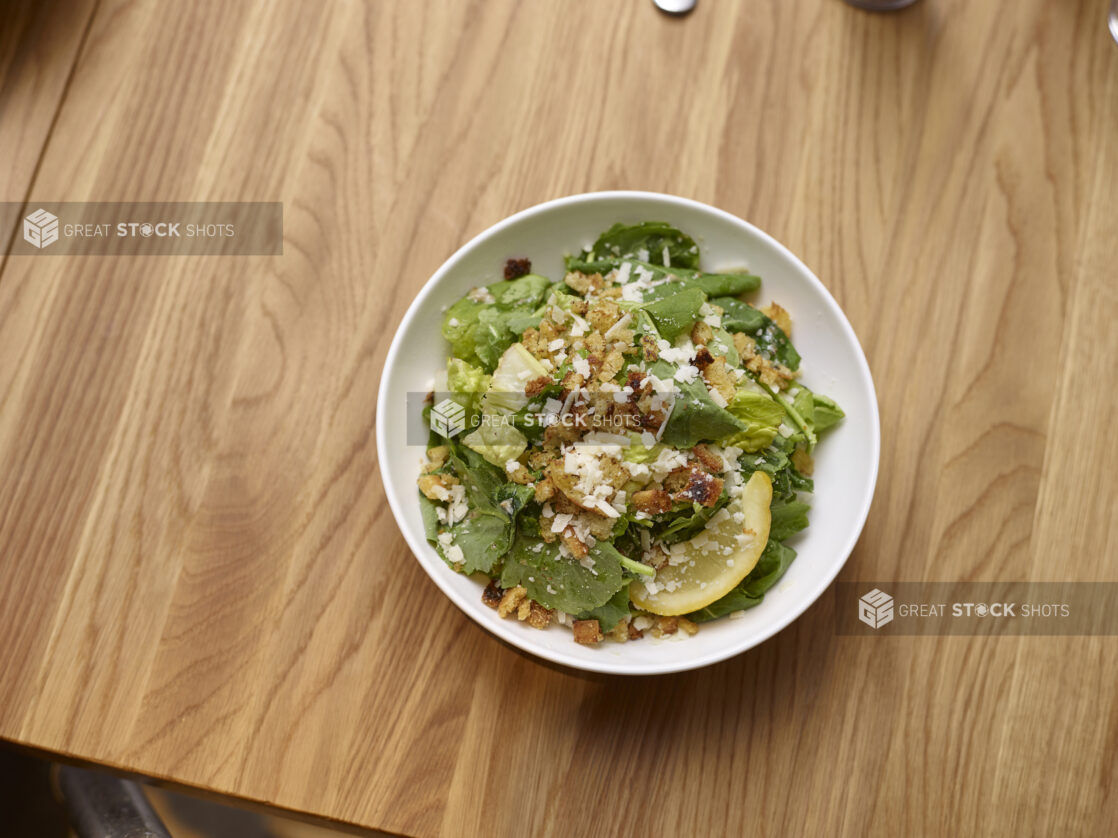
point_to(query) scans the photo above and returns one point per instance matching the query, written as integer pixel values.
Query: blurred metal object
(675, 7)
(880, 5)
(103, 806)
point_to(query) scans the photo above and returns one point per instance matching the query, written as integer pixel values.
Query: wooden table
(202, 582)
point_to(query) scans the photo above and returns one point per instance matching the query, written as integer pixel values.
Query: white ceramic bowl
(833, 364)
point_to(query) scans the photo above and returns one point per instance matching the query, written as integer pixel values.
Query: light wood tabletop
(201, 579)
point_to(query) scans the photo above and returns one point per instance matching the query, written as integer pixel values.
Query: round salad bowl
(846, 461)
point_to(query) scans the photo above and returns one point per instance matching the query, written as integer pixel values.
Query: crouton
(436, 458)
(545, 490)
(611, 365)
(516, 268)
(620, 632)
(677, 481)
(537, 385)
(573, 543)
(511, 600)
(587, 632)
(524, 609)
(778, 316)
(583, 283)
(701, 333)
(803, 462)
(597, 524)
(436, 486)
(603, 314)
(774, 375)
(534, 341)
(492, 594)
(702, 358)
(652, 501)
(538, 460)
(564, 505)
(701, 488)
(744, 345)
(564, 483)
(549, 331)
(594, 361)
(572, 381)
(539, 617)
(707, 459)
(720, 378)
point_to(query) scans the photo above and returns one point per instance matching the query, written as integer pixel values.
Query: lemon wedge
(714, 562)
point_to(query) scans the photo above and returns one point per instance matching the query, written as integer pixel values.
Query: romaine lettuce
(762, 416)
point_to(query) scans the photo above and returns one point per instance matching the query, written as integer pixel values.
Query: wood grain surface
(202, 581)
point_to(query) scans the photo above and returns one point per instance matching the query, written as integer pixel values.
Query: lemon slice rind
(710, 565)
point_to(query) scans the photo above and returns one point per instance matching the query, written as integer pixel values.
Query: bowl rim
(608, 665)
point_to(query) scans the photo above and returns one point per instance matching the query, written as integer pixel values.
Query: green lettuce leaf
(636, 452)
(467, 382)
(721, 344)
(770, 338)
(736, 600)
(480, 332)
(492, 335)
(710, 284)
(526, 292)
(762, 416)
(484, 536)
(481, 480)
(652, 237)
(674, 279)
(642, 324)
(611, 613)
(688, 522)
(458, 326)
(826, 412)
(695, 417)
(726, 284)
(430, 518)
(776, 462)
(487, 531)
(788, 518)
(770, 567)
(497, 441)
(561, 582)
(676, 314)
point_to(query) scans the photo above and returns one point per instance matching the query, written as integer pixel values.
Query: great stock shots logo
(144, 228)
(448, 418)
(40, 229)
(875, 609)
